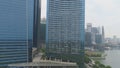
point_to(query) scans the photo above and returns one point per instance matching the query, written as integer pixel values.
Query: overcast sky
(101, 13)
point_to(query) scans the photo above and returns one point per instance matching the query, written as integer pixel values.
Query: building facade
(45, 64)
(42, 33)
(65, 27)
(95, 31)
(37, 17)
(103, 35)
(98, 39)
(88, 39)
(89, 27)
(17, 19)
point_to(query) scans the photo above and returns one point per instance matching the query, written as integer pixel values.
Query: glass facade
(65, 26)
(17, 19)
(37, 14)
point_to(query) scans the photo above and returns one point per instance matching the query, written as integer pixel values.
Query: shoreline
(103, 57)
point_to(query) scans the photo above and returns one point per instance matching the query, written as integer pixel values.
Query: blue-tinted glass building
(18, 19)
(37, 16)
(65, 27)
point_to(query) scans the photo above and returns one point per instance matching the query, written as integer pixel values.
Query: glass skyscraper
(18, 19)
(65, 27)
(37, 14)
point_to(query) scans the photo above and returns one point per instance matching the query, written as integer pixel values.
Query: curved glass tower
(17, 19)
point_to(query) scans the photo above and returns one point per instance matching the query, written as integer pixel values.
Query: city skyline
(100, 14)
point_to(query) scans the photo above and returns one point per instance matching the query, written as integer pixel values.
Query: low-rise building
(45, 64)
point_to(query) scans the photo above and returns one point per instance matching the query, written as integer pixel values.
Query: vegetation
(99, 65)
(87, 60)
(44, 53)
(108, 67)
(77, 58)
(93, 54)
(43, 50)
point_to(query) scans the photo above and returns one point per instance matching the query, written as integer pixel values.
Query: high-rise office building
(95, 30)
(103, 35)
(89, 27)
(18, 21)
(42, 32)
(88, 35)
(98, 39)
(65, 27)
(37, 14)
(88, 39)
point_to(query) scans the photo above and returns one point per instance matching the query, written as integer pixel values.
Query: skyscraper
(17, 24)
(88, 35)
(89, 27)
(95, 31)
(103, 35)
(88, 39)
(37, 14)
(65, 27)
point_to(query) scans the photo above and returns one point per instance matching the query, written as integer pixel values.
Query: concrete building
(45, 64)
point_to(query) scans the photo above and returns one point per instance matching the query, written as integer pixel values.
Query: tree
(102, 66)
(108, 67)
(95, 66)
(87, 60)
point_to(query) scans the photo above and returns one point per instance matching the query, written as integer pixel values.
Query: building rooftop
(45, 63)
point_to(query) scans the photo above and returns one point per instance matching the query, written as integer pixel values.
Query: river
(112, 58)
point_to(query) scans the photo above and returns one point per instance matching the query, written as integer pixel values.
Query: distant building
(89, 27)
(103, 35)
(88, 39)
(18, 21)
(88, 35)
(65, 27)
(98, 39)
(94, 32)
(96, 35)
(115, 40)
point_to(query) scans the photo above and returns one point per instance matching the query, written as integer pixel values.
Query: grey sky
(100, 12)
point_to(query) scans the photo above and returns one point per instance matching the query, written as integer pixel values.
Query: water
(112, 58)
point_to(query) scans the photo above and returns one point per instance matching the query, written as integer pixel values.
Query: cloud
(105, 4)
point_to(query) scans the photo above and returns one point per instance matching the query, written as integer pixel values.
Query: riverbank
(95, 55)
(94, 64)
(102, 57)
